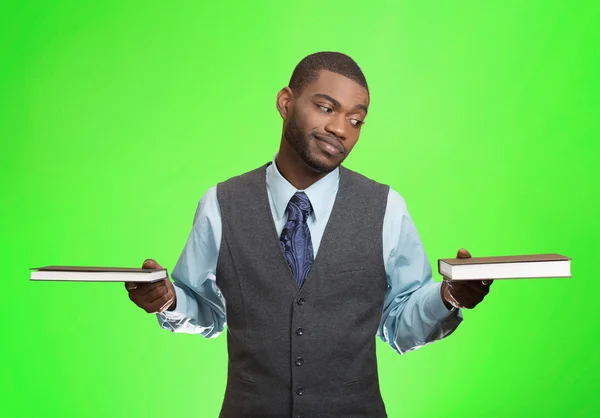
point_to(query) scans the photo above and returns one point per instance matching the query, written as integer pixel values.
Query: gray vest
(306, 352)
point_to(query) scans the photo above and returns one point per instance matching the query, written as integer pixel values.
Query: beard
(297, 138)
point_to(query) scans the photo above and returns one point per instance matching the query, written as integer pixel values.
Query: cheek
(313, 120)
(351, 142)
(304, 124)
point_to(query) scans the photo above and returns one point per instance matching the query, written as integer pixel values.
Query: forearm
(412, 320)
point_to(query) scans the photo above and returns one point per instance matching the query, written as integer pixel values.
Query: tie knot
(299, 207)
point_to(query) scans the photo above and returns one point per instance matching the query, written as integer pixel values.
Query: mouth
(330, 145)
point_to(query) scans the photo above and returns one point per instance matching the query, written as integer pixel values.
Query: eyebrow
(338, 104)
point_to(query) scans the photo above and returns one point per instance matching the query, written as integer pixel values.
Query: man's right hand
(152, 297)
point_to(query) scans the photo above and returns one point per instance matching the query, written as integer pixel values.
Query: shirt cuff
(435, 304)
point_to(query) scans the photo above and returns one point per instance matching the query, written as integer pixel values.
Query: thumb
(151, 264)
(463, 253)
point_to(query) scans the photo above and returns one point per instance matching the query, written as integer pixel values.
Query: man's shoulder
(361, 179)
(394, 197)
(211, 195)
(245, 187)
(245, 178)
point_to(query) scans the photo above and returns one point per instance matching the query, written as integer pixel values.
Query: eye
(356, 123)
(325, 109)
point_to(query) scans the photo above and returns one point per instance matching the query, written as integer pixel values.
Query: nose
(337, 126)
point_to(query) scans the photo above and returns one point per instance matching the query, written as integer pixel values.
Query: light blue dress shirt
(413, 314)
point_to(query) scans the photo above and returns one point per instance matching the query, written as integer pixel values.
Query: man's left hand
(464, 294)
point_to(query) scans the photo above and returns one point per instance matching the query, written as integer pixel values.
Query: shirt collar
(320, 193)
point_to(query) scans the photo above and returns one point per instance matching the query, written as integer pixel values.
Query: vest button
(299, 331)
(299, 361)
(299, 391)
(301, 301)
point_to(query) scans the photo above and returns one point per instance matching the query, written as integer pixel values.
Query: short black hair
(309, 68)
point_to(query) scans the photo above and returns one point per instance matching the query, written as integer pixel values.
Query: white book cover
(506, 267)
(97, 274)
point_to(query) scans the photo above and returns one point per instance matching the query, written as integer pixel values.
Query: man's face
(325, 121)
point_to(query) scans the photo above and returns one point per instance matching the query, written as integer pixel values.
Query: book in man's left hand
(506, 267)
(97, 274)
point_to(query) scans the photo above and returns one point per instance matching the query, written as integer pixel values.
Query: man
(308, 261)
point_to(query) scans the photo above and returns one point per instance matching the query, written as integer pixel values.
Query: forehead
(348, 92)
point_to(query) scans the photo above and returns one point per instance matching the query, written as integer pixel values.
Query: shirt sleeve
(414, 314)
(200, 307)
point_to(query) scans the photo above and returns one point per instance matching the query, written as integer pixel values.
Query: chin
(322, 164)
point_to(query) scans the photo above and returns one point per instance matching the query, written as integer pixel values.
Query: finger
(150, 264)
(469, 303)
(463, 253)
(467, 296)
(474, 287)
(130, 285)
(156, 294)
(146, 289)
(159, 303)
(140, 289)
(468, 300)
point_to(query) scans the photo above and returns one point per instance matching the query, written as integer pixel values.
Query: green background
(116, 117)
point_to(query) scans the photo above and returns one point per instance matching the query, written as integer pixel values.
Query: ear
(285, 102)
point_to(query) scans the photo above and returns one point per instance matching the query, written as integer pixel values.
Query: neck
(294, 169)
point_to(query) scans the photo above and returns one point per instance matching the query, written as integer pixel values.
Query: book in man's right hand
(506, 267)
(98, 274)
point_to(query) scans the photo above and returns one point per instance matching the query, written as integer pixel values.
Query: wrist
(173, 304)
(443, 291)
